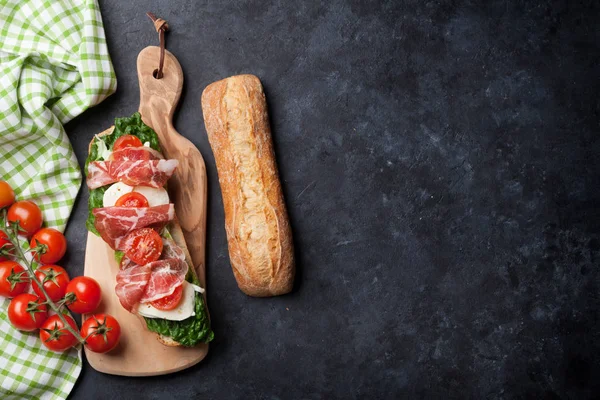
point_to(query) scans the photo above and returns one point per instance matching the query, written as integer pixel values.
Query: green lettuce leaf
(190, 331)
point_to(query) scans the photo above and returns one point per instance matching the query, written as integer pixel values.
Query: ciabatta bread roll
(258, 231)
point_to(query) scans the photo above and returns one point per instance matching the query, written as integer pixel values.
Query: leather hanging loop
(161, 27)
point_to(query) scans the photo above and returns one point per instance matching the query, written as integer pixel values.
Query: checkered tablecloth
(54, 64)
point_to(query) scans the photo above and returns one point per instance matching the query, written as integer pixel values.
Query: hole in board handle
(155, 74)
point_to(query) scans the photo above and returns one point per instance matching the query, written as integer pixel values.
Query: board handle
(160, 96)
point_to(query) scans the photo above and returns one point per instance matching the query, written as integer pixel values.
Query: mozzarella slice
(113, 193)
(155, 196)
(184, 309)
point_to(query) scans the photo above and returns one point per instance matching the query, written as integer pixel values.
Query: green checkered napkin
(54, 64)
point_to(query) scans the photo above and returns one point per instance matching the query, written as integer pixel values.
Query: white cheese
(113, 193)
(155, 196)
(147, 144)
(184, 309)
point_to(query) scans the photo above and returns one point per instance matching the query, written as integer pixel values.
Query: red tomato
(132, 199)
(83, 295)
(144, 246)
(4, 240)
(55, 242)
(55, 280)
(7, 196)
(169, 302)
(26, 313)
(28, 214)
(55, 336)
(127, 141)
(14, 279)
(101, 333)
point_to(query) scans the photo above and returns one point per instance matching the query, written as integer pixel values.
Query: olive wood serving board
(139, 353)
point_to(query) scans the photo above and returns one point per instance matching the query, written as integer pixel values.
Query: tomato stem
(12, 234)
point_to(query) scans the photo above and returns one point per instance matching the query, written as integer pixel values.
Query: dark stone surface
(440, 161)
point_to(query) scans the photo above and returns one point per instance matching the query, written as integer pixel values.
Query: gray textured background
(440, 165)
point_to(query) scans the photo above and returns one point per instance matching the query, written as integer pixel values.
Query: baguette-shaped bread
(258, 231)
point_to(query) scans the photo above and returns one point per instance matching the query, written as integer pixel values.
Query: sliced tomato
(143, 246)
(169, 302)
(126, 141)
(132, 199)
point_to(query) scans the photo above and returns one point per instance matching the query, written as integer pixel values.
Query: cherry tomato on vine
(14, 279)
(55, 242)
(4, 241)
(26, 313)
(7, 195)
(127, 141)
(55, 336)
(143, 246)
(101, 333)
(132, 199)
(169, 302)
(28, 214)
(83, 295)
(54, 279)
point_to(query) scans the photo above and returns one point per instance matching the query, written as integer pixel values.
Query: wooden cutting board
(139, 353)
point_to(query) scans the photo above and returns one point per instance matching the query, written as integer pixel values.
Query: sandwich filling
(131, 210)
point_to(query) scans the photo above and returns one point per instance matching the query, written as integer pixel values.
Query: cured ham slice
(171, 250)
(153, 281)
(153, 173)
(131, 284)
(135, 153)
(166, 276)
(115, 223)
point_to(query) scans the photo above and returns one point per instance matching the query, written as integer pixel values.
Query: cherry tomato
(143, 246)
(126, 141)
(55, 242)
(169, 302)
(55, 280)
(83, 295)
(132, 199)
(26, 313)
(28, 214)
(101, 333)
(14, 279)
(55, 336)
(7, 195)
(4, 240)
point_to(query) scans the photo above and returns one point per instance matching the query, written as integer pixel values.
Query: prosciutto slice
(115, 223)
(131, 284)
(166, 276)
(135, 153)
(153, 173)
(153, 281)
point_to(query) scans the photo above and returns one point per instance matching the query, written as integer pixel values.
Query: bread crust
(258, 231)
